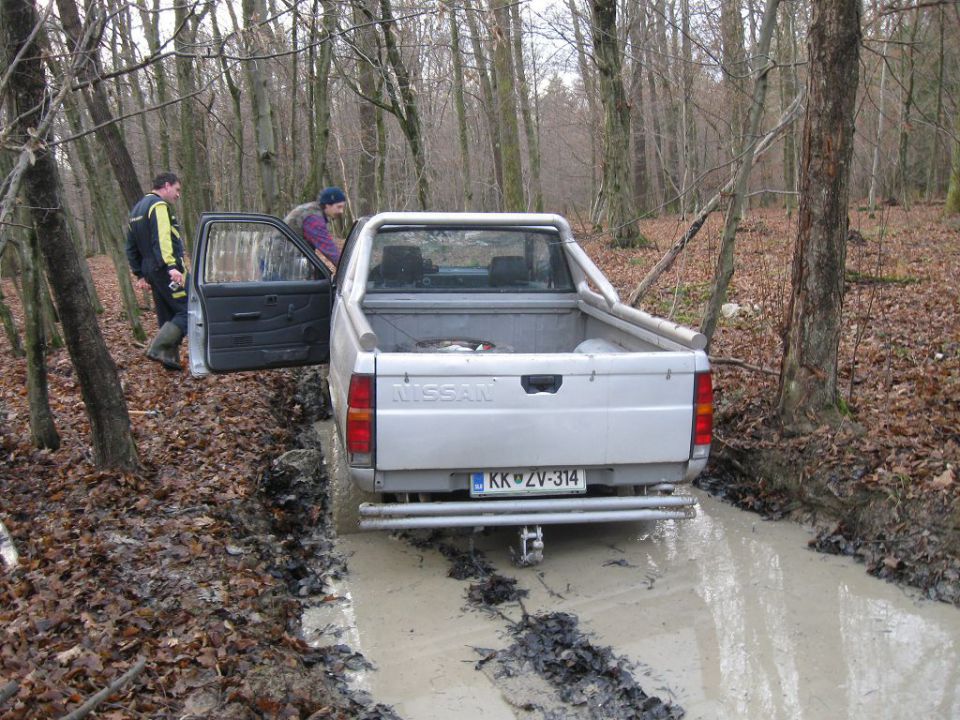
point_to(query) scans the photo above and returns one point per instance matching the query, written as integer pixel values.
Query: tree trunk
(150, 20)
(460, 105)
(586, 77)
(405, 102)
(235, 97)
(529, 126)
(904, 144)
(43, 432)
(113, 445)
(368, 79)
(725, 261)
(875, 168)
(638, 108)
(617, 179)
(486, 93)
(108, 133)
(126, 33)
(196, 180)
(691, 162)
(735, 70)
(933, 172)
(788, 91)
(513, 199)
(106, 210)
(952, 206)
(658, 171)
(808, 375)
(10, 328)
(321, 97)
(669, 82)
(254, 13)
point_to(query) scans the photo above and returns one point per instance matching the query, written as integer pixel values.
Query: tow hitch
(532, 554)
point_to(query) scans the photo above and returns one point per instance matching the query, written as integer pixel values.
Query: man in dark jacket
(155, 254)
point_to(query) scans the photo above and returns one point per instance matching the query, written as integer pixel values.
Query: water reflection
(800, 635)
(899, 664)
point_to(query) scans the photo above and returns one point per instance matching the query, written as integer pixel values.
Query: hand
(176, 276)
(142, 284)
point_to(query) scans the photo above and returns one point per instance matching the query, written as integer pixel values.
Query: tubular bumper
(547, 511)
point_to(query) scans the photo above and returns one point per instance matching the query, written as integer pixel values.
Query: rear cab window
(496, 260)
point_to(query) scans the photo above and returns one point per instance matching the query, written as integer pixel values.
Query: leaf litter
(201, 564)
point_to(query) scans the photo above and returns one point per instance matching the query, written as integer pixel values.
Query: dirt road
(726, 616)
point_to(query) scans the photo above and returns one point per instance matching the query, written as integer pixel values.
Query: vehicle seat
(507, 270)
(401, 266)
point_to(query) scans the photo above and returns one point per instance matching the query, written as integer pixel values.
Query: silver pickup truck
(482, 371)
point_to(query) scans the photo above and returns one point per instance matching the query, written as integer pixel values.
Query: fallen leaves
(114, 566)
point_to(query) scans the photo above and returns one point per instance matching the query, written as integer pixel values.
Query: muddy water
(726, 615)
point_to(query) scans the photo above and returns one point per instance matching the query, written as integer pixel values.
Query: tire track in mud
(579, 679)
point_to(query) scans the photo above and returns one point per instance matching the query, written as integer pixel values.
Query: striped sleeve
(161, 214)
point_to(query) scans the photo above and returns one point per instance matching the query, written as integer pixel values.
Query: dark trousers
(171, 306)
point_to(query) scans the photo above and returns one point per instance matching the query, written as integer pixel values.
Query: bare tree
(100, 388)
(506, 107)
(529, 121)
(369, 82)
(193, 162)
(258, 80)
(725, 261)
(108, 132)
(808, 376)
(617, 177)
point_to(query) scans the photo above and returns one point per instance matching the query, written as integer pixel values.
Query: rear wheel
(343, 495)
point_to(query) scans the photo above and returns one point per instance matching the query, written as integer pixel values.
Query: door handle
(246, 315)
(533, 384)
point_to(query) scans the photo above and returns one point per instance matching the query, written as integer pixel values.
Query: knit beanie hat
(331, 196)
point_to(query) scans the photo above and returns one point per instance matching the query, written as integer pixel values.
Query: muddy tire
(343, 495)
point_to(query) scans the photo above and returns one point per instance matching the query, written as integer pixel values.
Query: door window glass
(253, 252)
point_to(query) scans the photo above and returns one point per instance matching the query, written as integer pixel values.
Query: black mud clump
(495, 590)
(291, 490)
(464, 564)
(584, 675)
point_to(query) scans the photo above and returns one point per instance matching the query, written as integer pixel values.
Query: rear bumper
(544, 511)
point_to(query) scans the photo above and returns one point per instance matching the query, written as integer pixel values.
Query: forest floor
(201, 564)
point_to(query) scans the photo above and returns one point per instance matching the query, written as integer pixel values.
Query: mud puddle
(724, 616)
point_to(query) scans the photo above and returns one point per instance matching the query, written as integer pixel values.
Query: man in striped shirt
(311, 220)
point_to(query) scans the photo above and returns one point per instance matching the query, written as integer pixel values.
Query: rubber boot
(165, 348)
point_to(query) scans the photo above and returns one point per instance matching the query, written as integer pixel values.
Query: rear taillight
(360, 420)
(702, 413)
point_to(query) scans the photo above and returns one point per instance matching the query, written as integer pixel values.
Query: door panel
(260, 296)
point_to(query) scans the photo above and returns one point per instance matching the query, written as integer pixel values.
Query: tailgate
(470, 411)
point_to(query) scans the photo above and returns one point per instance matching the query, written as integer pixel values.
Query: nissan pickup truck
(482, 370)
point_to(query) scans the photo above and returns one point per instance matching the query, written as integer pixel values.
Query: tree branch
(90, 704)
(734, 362)
(789, 115)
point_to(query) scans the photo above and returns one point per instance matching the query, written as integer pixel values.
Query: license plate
(528, 482)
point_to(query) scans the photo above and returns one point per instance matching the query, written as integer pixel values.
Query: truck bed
(534, 324)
